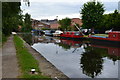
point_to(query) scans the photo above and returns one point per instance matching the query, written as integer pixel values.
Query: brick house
(54, 25)
(38, 25)
(77, 21)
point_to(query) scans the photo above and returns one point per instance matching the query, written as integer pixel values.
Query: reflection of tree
(91, 62)
(114, 58)
(64, 46)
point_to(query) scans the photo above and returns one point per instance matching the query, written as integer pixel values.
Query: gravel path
(9, 61)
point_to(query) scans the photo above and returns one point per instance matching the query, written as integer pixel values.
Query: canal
(77, 59)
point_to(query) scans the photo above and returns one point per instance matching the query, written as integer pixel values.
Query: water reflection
(67, 44)
(88, 60)
(92, 58)
(91, 62)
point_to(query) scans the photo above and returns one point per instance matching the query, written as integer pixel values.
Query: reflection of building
(111, 50)
(43, 39)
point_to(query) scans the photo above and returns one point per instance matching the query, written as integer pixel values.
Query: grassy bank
(4, 38)
(26, 60)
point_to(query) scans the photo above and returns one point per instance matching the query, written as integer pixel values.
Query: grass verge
(26, 60)
(4, 39)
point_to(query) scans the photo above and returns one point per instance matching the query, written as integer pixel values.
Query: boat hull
(72, 38)
(105, 42)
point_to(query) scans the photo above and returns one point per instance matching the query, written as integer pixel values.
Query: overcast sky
(49, 9)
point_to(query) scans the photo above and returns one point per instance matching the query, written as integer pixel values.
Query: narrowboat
(112, 39)
(72, 35)
(57, 33)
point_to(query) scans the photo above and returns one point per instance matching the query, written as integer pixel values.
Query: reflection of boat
(72, 35)
(71, 42)
(111, 50)
(112, 39)
(49, 32)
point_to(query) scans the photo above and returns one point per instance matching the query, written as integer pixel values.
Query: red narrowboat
(72, 35)
(112, 39)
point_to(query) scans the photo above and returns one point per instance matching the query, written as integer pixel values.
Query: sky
(50, 9)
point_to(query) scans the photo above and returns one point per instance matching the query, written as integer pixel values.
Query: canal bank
(46, 68)
(76, 59)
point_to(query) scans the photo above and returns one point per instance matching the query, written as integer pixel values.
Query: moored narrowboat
(72, 35)
(112, 39)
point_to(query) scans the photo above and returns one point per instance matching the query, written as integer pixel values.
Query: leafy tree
(65, 23)
(92, 14)
(115, 23)
(111, 21)
(10, 16)
(27, 23)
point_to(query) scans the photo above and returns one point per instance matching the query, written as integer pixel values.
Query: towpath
(9, 61)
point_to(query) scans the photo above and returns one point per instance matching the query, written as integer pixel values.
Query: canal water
(77, 59)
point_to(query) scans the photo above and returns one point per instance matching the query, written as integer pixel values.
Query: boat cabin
(115, 35)
(72, 33)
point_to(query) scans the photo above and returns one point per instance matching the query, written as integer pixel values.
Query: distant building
(48, 21)
(38, 25)
(52, 24)
(77, 21)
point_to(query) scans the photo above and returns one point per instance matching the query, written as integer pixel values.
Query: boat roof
(115, 32)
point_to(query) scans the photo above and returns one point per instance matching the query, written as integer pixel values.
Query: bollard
(33, 71)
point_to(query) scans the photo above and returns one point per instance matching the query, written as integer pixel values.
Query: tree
(92, 14)
(115, 20)
(10, 16)
(65, 23)
(27, 23)
(111, 21)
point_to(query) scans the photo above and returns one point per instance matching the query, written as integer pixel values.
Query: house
(38, 25)
(77, 21)
(54, 25)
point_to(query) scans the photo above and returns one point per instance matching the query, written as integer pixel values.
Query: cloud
(49, 10)
(107, 12)
(40, 9)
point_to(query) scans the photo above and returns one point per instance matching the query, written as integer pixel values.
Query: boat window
(77, 34)
(114, 35)
(72, 33)
(68, 32)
